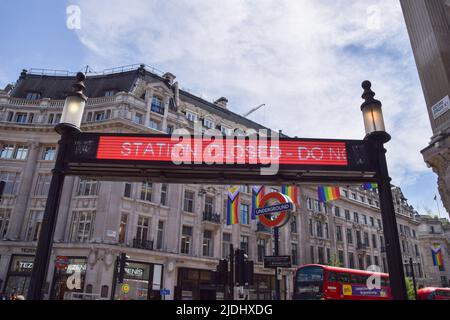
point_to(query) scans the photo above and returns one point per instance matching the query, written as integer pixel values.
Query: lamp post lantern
(376, 134)
(69, 125)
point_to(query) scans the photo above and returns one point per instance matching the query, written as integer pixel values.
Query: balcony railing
(211, 217)
(362, 246)
(143, 244)
(262, 228)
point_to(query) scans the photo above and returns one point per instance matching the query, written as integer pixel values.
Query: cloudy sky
(305, 59)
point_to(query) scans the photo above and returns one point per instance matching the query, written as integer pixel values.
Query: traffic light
(249, 270)
(122, 264)
(222, 272)
(239, 267)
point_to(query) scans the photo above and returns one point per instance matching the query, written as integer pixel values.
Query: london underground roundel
(274, 209)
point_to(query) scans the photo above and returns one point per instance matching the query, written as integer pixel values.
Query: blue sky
(305, 59)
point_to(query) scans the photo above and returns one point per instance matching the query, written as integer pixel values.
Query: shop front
(264, 287)
(141, 281)
(197, 284)
(19, 274)
(69, 278)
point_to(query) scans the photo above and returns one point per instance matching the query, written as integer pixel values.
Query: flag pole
(437, 205)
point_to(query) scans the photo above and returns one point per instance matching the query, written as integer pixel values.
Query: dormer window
(208, 123)
(33, 95)
(191, 116)
(110, 93)
(226, 131)
(157, 105)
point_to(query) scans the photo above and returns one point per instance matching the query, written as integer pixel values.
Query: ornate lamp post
(375, 133)
(69, 125)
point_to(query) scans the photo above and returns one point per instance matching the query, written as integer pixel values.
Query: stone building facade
(173, 234)
(428, 24)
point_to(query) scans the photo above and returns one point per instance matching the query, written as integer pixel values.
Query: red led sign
(206, 150)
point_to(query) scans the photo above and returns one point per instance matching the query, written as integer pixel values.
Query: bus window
(344, 278)
(331, 277)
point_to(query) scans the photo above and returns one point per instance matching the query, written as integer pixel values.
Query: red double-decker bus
(433, 294)
(319, 282)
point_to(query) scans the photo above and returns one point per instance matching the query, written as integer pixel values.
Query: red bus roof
(432, 289)
(344, 270)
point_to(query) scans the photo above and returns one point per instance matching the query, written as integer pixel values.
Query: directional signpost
(277, 262)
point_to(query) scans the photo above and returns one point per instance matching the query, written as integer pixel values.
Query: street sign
(275, 216)
(61, 262)
(274, 209)
(277, 262)
(164, 292)
(201, 159)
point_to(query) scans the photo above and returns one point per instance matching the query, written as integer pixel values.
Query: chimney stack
(221, 102)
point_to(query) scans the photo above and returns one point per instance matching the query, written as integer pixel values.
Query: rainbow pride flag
(328, 193)
(233, 205)
(370, 186)
(257, 194)
(436, 253)
(291, 192)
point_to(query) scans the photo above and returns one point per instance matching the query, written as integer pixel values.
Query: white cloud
(305, 59)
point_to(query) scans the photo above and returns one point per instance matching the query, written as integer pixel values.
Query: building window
(261, 249)
(362, 198)
(337, 211)
(319, 229)
(7, 151)
(123, 227)
(370, 201)
(33, 95)
(341, 258)
(364, 219)
(34, 225)
(327, 233)
(244, 188)
(311, 254)
(146, 191)
(311, 229)
(226, 131)
(349, 236)
(294, 224)
(244, 244)
(294, 253)
(376, 261)
(416, 250)
(21, 117)
(160, 235)
(208, 123)
(339, 233)
(99, 115)
(5, 216)
(109, 93)
(374, 241)
(345, 193)
(21, 152)
(188, 201)
(153, 124)
(414, 233)
(209, 205)
(142, 230)
(320, 255)
(82, 225)
(207, 243)
(164, 194)
(186, 239)
(169, 129)
(356, 217)
(128, 190)
(49, 153)
(372, 221)
(380, 226)
(226, 245)
(137, 118)
(366, 239)
(244, 214)
(42, 185)
(351, 260)
(88, 188)
(354, 196)
(191, 116)
(368, 261)
(385, 268)
(12, 181)
(157, 105)
(347, 214)
(361, 262)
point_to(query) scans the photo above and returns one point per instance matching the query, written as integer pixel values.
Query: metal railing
(211, 217)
